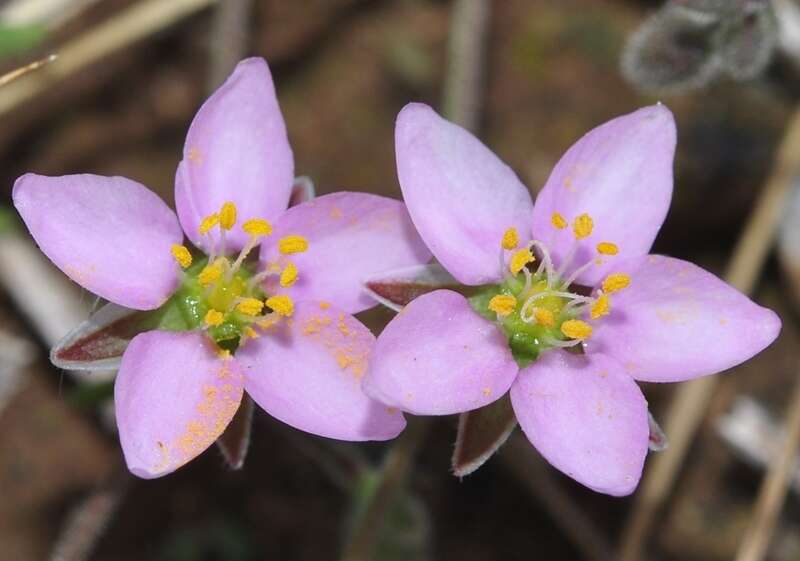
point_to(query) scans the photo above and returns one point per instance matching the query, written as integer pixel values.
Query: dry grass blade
(691, 399)
(773, 489)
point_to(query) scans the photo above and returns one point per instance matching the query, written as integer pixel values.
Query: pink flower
(573, 270)
(266, 329)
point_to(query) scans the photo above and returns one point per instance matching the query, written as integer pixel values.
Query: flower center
(225, 296)
(539, 307)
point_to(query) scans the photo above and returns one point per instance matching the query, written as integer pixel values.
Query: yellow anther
(210, 273)
(510, 239)
(292, 244)
(227, 216)
(607, 248)
(282, 304)
(208, 222)
(289, 275)
(250, 333)
(257, 227)
(576, 329)
(583, 226)
(558, 221)
(615, 282)
(503, 304)
(518, 261)
(601, 307)
(544, 317)
(250, 306)
(214, 318)
(181, 255)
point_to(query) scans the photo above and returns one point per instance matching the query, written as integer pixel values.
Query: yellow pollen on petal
(601, 307)
(518, 261)
(214, 318)
(292, 244)
(257, 227)
(558, 221)
(227, 216)
(576, 329)
(208, 222)
(289, 275)
(510, 239)
(503, 304)
(181, 255)
(607, 248)
(583, 226)
(210, 273)
(250, 306)
(250, 333)
(544, 317)
(282, 304)
(615, 282)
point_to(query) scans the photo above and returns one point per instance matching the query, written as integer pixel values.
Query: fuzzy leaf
(395, 289)
(302, 191)
(235, 441)
(747, 44)
(481, 433)
(658, 439)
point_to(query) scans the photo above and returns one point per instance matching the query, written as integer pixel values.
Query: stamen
(546, 262)
(181, 255)
(607, 248)
(289, 275)
(558, 221)
(576, 329)
(208, 222)
(583, 226)
(250, 306)
(615, 282)
(544, 317)
(579, 271)
(510, 239)
(250, 333)
(292, 244)
(553, 342)
(210, 273)
(257, 227)
(282, 304)
(213, 318)
(519, 260)
(601, 307)
(503, 304)
(227, 216)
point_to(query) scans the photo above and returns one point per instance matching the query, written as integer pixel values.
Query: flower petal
(236, 150)
(111, 235)
(351, 236)
(173, 398)
(461, 197)
(620, 174)
(677, 321)
(586, 417)
(439, 357)
(307, 373)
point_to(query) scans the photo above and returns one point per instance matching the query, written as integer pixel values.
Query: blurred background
(530, 77)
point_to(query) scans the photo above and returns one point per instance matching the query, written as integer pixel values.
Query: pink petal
(351, 236)
(461, 197)
(236, 150)
(111, 235)
(621, 175)
(676, 322)
(174, 396)
(307, 373)
(586, 417)
(439, 357)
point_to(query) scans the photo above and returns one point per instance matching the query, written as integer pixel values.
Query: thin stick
(463, 84)
(129, 26)
(519, 457)
(773, 490)
(690, 401)
(229, 38)
(19, 72)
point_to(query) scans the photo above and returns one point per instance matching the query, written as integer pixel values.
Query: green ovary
(527, 339)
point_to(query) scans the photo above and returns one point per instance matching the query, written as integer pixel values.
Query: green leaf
(17, 39)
